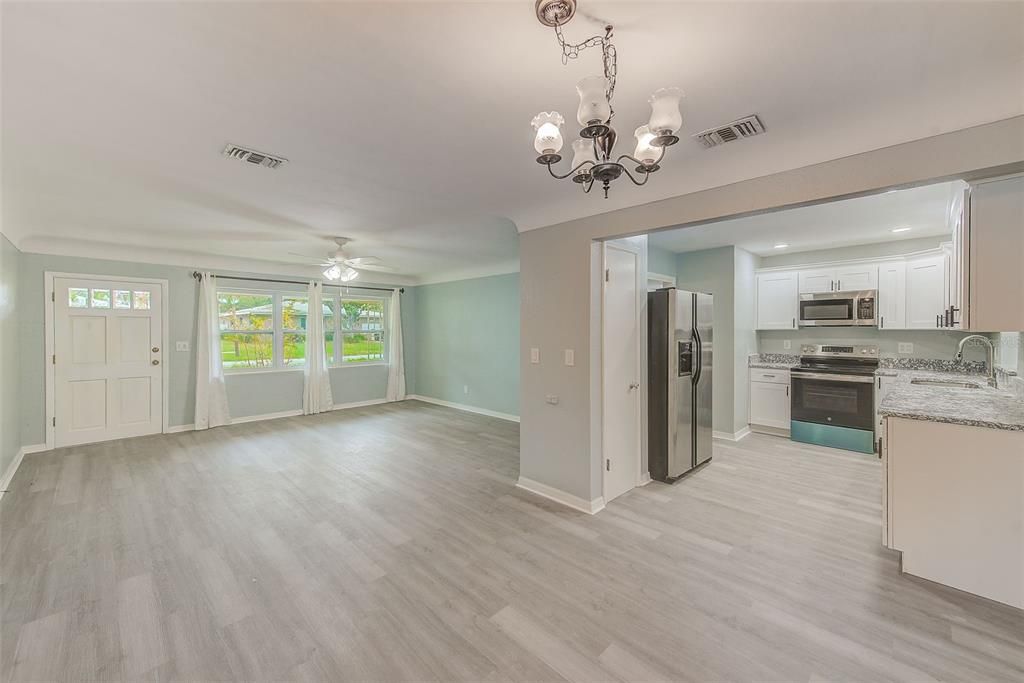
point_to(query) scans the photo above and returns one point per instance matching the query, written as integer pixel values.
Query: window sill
(270, 371)
(349, 366)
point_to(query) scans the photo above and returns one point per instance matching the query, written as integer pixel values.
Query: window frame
(276, 331)
(337, 359)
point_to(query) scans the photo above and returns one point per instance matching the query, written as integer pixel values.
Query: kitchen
(887, 326)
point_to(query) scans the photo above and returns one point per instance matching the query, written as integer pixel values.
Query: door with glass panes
(108, 355)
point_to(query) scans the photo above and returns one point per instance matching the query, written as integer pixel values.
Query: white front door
(621, 372)
(107, 360)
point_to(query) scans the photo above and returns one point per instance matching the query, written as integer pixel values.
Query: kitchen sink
(946, 383)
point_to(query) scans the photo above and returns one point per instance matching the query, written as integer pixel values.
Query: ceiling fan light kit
(593, 150)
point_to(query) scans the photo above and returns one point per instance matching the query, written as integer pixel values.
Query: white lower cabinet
(769, 399)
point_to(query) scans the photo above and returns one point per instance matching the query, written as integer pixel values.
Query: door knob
(156, 362)
(156, 349)
(634, 385)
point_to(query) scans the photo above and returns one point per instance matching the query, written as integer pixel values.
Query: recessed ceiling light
(903, 229)
(780, 246)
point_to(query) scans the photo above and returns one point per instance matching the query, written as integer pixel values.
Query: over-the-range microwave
(839, 309)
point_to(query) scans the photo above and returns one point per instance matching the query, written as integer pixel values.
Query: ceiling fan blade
(362, 261)
(317, 257)
(382, 269)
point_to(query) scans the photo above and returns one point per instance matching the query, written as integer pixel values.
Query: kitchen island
(953, 495)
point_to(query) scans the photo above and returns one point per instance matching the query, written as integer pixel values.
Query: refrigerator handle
(698, 357)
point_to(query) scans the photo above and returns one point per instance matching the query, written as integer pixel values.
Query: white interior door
(107, 360)
(620, 371)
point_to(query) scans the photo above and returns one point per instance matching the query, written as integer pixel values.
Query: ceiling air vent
(746, 127)
(251, 156)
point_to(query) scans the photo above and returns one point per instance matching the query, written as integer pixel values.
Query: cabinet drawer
(772, 376)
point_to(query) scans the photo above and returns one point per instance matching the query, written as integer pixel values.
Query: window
(266, 330)
(81, 297)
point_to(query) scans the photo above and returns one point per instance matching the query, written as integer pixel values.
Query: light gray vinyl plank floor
(390, 543)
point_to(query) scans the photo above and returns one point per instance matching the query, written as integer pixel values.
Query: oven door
(815, 312)
(835, 400)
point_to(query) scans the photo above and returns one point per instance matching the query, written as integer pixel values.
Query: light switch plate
(906, 347)
(570, 357)
(181, 346)
(535, 355)
(552, 399)
(787, 344)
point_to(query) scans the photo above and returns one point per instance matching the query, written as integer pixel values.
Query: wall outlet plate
(906, 347)
(552, 399)
(181, 346)
(787, 344)
(570, 357)
(465, 388)
(535, 355)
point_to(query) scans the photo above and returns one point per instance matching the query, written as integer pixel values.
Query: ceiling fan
(340, 266)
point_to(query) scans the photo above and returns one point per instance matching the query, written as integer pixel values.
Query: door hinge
(608, 465)
(53, 296)
(54, 359)
(54, 422)
(607, 274)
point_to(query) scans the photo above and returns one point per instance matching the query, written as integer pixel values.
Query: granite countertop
(982, 407)
(772, 361)
(765, 365)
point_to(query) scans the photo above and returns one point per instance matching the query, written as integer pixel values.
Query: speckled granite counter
(772, 361)
(765, 365)
(982, 407)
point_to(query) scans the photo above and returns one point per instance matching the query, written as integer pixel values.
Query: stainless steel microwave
(839, 309)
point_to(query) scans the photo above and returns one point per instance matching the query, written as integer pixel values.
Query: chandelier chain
(609, 58)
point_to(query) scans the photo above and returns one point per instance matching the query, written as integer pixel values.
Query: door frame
(640, 286)
(49, 327)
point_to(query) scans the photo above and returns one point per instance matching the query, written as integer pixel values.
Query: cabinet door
(925, 291)
(856, 278)
(769, 404)
(996, 254)
(883, 385)
(817, 281)
(892, 296)
(776, 301)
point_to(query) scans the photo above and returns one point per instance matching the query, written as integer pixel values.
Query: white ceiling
(407, 124)
(864, 220)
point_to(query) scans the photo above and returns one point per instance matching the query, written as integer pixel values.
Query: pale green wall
(10, 310)
(661, 261)
(248, 394)
(467, 342)
(712, 271)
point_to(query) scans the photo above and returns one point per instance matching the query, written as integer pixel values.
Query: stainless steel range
(832, 397)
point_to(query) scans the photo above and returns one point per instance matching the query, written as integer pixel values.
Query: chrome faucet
(990, 356)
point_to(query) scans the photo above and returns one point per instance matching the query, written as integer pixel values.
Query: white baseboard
(16, 463)
(180, 428)
(359, 404)
(591, 507)
(462, 406)
(726, 436)
(645, 479)
(265, 416)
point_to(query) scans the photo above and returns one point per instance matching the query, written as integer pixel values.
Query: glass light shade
(333, 273)
(583, 151)
(644, 150)
(349, 274)
(665, 113)
(593, 100)
(549, 132)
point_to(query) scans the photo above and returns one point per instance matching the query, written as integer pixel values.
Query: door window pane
(141, 300)
(251, 350)
(245, 312)
(122, 298)
(78, 297)
(101, 298)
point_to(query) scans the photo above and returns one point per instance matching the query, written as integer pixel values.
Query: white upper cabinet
(777, 300)
(852, 278)
(857, 278)
(995, 245)
(817, 281)
(892, 295)
(926, 291)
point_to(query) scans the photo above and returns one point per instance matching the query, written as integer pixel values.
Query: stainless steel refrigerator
(680, 336)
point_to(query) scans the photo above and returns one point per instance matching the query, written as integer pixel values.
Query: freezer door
(680, 382)
(703, 312)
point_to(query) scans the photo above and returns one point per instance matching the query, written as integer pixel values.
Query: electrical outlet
(787, 344)
(181, 346)
(535, 355)
(552, 399)
(906, 347)
(570, 357)
(465, 388)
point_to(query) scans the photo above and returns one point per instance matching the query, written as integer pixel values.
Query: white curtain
(396, 358)
(316, 396)
(211, 394)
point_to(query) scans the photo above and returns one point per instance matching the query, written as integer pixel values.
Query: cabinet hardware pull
(881, 322)
(787, 390)
(839, 285)
(794, 323)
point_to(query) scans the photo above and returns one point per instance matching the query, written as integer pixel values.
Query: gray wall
(248, 394)
(711, 271)
(467, 342)
(878, 250)
(11, 310)
(557, 282)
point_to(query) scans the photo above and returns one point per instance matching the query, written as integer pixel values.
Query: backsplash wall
(940, 344)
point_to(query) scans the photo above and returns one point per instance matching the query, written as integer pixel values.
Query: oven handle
(861, 379)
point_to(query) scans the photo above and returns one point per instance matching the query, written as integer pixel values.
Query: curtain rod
(196, 274)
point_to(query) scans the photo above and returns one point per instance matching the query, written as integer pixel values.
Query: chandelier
(592, 151)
